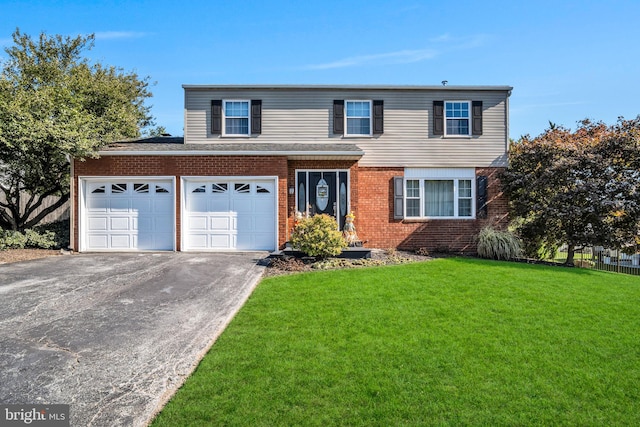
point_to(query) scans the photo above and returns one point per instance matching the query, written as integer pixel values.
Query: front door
(323, 192)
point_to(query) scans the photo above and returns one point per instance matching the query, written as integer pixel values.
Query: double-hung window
(236, 117)
(458, 118)
(358, 118)
(439, 198)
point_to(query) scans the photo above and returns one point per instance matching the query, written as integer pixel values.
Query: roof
(175, 146)
(348, 87)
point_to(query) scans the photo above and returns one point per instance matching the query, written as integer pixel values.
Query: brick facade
(371, 196)
(377, 227)
(178, 166)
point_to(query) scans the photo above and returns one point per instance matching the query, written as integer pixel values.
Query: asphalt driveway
(114, 335)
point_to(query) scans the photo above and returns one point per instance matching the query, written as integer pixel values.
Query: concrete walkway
(114, 335)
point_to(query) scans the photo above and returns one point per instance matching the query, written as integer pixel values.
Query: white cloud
(111, 35)
(446, 43)
(399, 57)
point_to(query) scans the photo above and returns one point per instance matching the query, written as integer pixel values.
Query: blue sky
(567, 60)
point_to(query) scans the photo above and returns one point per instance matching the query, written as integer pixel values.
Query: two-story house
(418, 165)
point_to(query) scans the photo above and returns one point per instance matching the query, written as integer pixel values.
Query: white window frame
(346, 117)
(468, 118)
(434, 175)
(225, 117)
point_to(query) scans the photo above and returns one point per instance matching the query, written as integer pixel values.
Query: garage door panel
(163, 223)
(264, 223)
(198, 222)
(120, 223)
(98, 223)
(243, 205)
(142, 205)
(221, 223)
(220, 204)
(119, 205)
(198, 203)
(98, 241)
(163, 204)
(221, 241)
(98, 205)
(236, 210)
(263, 240)
(126, 214)
(121, 241)
(198, 241)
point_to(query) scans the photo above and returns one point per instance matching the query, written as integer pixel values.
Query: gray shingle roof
(169, 145)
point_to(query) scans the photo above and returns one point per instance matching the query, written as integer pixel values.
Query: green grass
(447, 342)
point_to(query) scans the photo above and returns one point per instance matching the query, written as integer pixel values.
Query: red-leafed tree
(579, 188)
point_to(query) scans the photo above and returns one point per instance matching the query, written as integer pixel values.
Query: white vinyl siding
(306, 116)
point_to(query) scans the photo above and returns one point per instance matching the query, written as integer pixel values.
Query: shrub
(54, 235)
(318, 236)
(496, 244)
(10, 239)
(43, 240)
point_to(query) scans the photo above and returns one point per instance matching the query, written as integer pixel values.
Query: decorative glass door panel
(323, 192)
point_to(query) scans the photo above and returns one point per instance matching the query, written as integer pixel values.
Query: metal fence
(604, 259)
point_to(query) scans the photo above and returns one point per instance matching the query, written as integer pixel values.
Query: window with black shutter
(338, 117)
(216, 117)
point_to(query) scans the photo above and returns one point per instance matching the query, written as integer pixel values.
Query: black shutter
(256, 116)
(481, 197)
(338, 117)
(216, 117)
(378, 117)
(476, 111)
(398, 197)
(438, 117)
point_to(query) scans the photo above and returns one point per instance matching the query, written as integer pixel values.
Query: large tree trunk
(571, 251)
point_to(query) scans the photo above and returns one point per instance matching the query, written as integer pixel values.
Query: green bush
(10, 239)
(60, 229)
(49, 236)
(318, 236)
(496, 244)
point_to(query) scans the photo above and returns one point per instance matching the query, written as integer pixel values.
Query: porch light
(292, 190)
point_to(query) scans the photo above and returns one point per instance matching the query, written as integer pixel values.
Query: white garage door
(225, 214)
(125, 214)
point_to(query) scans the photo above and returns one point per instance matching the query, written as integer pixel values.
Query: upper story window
(457, 117)
(358, 117)
(236, 117)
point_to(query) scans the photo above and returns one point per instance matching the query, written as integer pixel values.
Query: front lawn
(447, 342)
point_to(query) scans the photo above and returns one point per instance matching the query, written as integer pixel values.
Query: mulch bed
(16, 255)
(290, 265)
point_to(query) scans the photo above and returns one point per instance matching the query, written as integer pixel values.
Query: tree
(579, 188)
(55, 105)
